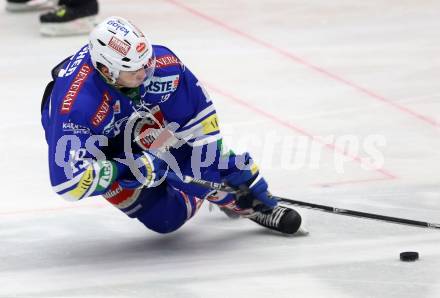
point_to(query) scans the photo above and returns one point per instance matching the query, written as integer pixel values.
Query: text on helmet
(118, 26)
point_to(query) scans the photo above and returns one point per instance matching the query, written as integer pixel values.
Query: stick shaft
(324, 208)
(361, 214)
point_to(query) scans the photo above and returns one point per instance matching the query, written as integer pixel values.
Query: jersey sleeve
(78, 167)
(203, 127)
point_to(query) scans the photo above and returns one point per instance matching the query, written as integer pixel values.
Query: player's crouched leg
(162, 209)
(169, 211)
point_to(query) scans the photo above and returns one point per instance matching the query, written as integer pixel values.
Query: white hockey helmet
(119, 45)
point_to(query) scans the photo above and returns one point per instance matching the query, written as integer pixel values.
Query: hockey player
(125, 119)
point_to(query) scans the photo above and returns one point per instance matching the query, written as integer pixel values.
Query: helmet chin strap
(110, 78)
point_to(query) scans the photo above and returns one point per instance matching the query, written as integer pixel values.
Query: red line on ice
(299, 130)
(304, 62)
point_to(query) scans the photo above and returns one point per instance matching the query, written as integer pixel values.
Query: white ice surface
(278, 71)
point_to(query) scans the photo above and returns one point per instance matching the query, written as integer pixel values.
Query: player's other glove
(252, 187)
(145, 170)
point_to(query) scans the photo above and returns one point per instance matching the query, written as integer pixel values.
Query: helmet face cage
(149, 68)
(120, 46)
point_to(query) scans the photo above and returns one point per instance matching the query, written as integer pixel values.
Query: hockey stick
(397, 220)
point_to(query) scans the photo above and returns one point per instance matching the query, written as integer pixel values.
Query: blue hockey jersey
(87, 121)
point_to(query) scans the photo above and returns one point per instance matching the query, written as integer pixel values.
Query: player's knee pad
(170, 211)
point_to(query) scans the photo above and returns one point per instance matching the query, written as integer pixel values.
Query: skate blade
(33, 5)
(76, 27)
(302, 232)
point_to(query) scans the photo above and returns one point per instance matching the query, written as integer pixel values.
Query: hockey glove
(252, 187)
(146, 170)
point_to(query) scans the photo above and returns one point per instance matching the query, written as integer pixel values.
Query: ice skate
(281, 219)
(69, 20)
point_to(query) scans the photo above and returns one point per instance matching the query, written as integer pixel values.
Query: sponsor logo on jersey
(151, 62)
(75, 128)
(167, 60)
(118, 27)
(114, 191)
(152, 134)
(105, 175)
(114, 127)
(161, 85)
(74, 88)
(119, 46)
(71, 67)
(103, 110)
(121, 197)
(141, 47)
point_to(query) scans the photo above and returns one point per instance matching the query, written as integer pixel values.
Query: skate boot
(281, 219)
(28, 5)
(66, 20)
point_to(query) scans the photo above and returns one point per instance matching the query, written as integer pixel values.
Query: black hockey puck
(409, 256)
